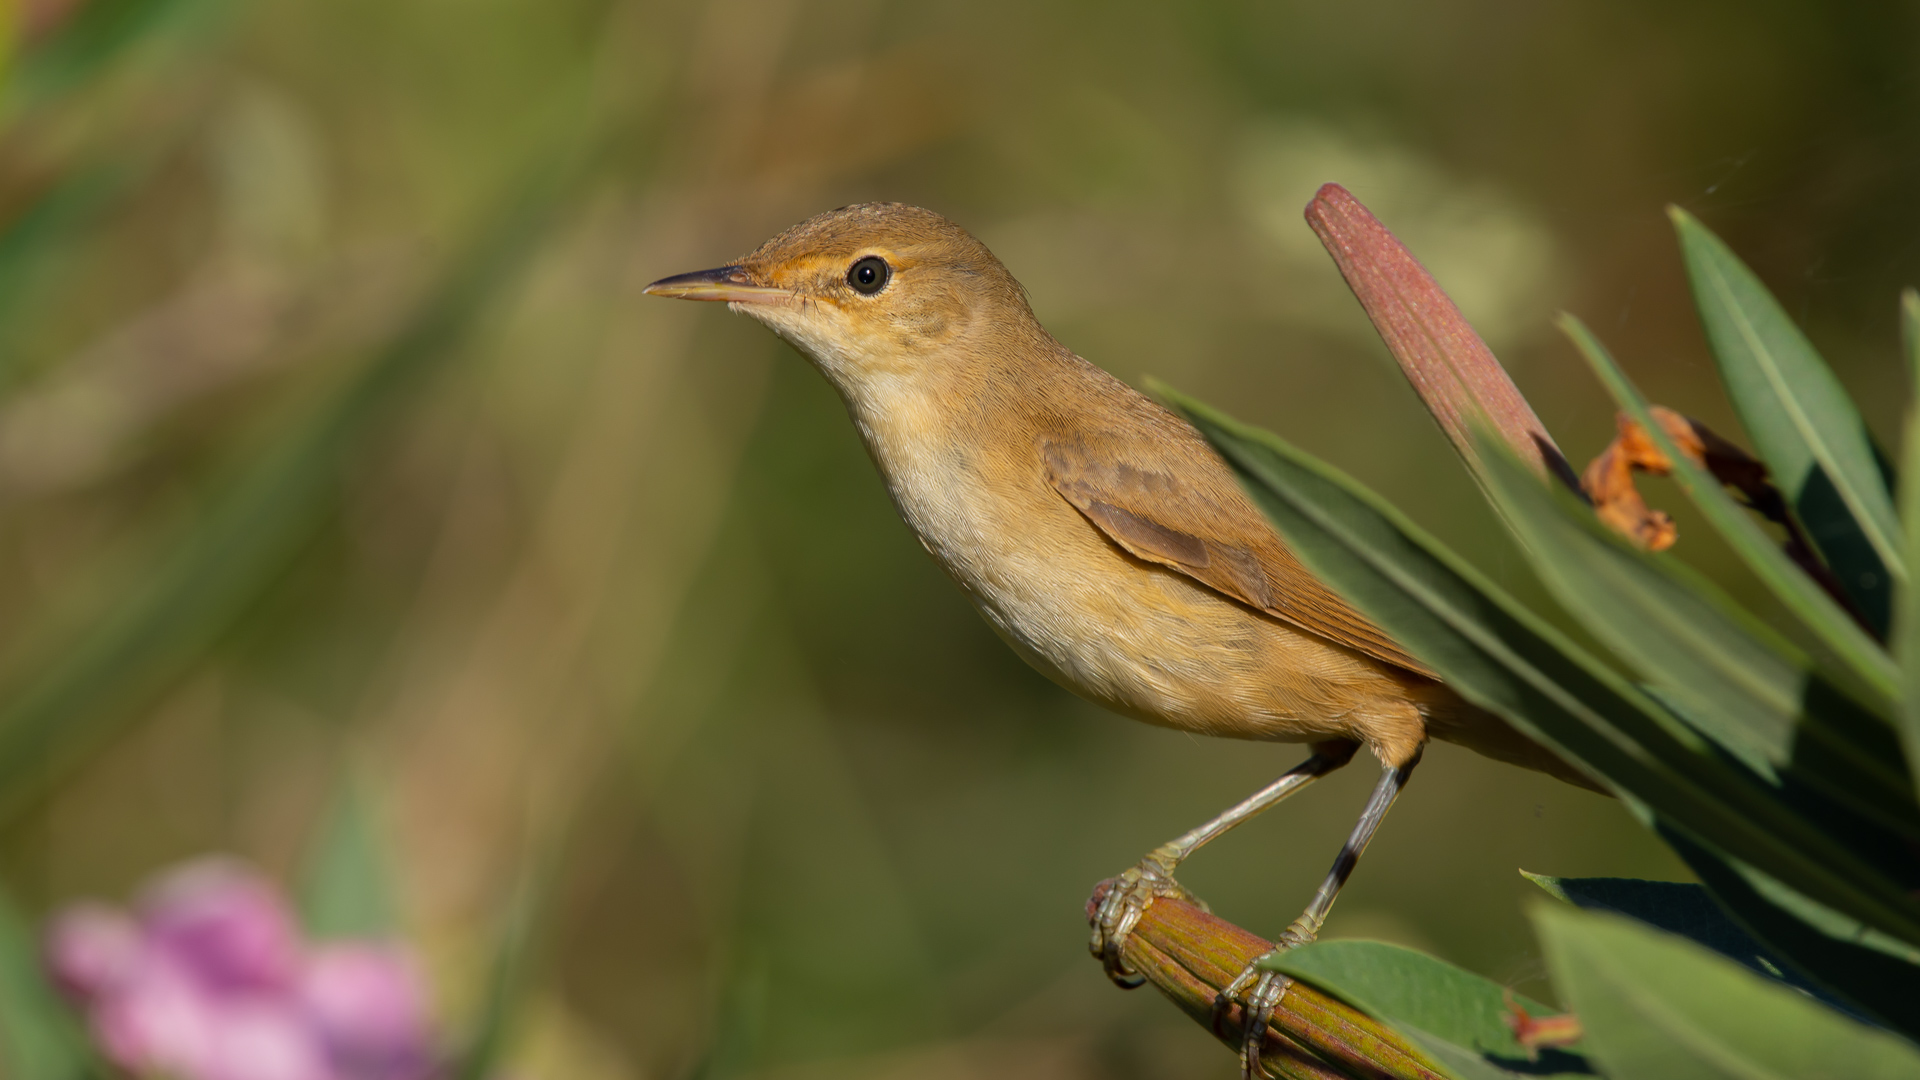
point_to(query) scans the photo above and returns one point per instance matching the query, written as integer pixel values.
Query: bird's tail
(1452, 719)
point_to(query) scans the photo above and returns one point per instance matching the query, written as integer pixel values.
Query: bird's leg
(1263, 989)
(1129, 894)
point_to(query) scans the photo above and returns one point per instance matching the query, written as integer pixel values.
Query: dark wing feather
(1204, 527)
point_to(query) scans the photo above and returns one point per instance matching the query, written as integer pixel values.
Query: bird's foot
(1258, 993)
(1127, 897)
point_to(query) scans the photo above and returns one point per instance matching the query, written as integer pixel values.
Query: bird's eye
(869, 275)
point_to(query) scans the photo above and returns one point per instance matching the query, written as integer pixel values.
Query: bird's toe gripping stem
(1258, 992)
(1127, 897)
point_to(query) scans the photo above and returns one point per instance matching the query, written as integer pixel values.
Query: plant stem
(1188, 955)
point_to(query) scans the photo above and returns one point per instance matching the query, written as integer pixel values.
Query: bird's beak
(729, 283)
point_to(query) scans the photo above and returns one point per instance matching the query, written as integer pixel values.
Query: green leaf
(1680, 908)
(1848, 655)
(1802, 423)
(40, 1037)
(1906, 640)
(1460, 1063)
(1655, 1006)
(1677, 907)
(1430, 1000)
(68, 705)
(1729, 675)
(1875, 974)
(348, 888)
(1503, 658)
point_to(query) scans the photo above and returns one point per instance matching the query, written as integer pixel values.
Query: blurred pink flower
(155, 1023)
(226, 925)
(93, 949)
(266, 1039)
(369, 1005)
(209, 979)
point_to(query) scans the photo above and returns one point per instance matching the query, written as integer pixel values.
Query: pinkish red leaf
(1454, 372)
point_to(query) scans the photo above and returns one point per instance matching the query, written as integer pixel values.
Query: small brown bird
(1097, 532)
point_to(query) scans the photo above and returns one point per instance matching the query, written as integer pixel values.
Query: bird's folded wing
(1206, 528)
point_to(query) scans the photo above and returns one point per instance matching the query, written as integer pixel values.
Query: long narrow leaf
(1907, 623)
(1744, 686)
(1877, 975)
(1676, 907)
(1802, 423)
(1502, 657)
(1655, 1006)
(1850, 657)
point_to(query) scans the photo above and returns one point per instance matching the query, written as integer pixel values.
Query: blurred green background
(336, 440)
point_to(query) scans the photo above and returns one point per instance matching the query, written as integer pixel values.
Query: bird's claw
(1258, 993)
(1128, 897)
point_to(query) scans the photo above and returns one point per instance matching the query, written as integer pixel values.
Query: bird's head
(876, 292)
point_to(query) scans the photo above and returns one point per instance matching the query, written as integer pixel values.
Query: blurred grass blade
(1452, 370)
(90, 37)
(69, 704)
(739, 1022)
(347, 889)
(505, 983)
(1873, 973)
(512, 962)
(47, 228)
(40, 1037)
(1655, 1006)
(1907, 624)
(1852, 659)
(1801, 421)
(1739, 683)
(98, 33)
(1454, 1015)
(1504, 658)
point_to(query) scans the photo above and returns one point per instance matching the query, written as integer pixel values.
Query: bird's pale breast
(1139, 639)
